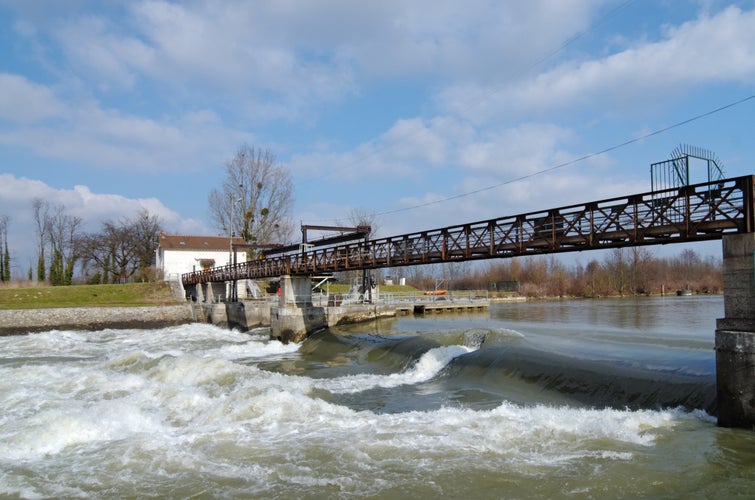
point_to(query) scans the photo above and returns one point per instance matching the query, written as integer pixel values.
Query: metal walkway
(697, 212)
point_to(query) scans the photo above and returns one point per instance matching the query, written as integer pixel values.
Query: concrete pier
(295, 317)
(735, 334)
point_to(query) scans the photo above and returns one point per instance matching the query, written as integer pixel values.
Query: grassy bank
(131, 294)
(27, 296)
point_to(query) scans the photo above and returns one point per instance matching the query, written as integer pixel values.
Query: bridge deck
(692, 213)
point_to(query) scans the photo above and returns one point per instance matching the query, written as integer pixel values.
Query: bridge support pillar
(295, 317)
(195, 292)
(735, 334)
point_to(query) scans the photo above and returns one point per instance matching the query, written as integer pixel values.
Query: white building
(177, 255)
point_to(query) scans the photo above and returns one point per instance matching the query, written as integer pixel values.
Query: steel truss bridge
(698, 212)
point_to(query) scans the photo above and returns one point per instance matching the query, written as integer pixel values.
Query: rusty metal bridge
(698, 212)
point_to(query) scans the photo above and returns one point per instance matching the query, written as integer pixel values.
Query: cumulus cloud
(711, 49)
(18, 193)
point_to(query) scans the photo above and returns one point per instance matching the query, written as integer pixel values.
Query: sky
(423, 113)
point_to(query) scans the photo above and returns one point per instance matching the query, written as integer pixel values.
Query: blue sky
(108, 107)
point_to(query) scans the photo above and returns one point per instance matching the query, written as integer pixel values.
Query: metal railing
(698, 212)
(451, 296)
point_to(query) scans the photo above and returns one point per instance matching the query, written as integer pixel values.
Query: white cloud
(519, 150)
(279, 58)
(85, 133)
(18, 193)
(92, 46)
(713, 49)
(24, 102)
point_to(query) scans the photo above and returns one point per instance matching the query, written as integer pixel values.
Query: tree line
(254, 202)
(120, 251)
(621, 272)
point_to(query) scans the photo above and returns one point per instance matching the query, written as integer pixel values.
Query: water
(532, 400)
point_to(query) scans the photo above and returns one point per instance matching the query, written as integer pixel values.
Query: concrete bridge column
(295, 291)
(294, 318)
(735, 334)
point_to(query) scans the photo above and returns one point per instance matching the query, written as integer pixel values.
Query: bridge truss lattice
(698, 212)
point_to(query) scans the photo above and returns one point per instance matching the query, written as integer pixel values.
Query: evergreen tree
(57, 274)
(2, 261)
(6, 262)
(41, 266)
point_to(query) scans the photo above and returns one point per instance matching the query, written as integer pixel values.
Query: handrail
(704, 211)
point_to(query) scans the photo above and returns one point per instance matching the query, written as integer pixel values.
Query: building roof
(184, 242)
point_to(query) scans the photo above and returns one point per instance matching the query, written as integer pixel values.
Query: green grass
(131, 294)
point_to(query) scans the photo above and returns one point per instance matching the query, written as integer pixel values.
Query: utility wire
(487, 95)
(574, 161)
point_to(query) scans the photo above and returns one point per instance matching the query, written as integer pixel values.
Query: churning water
(581, 398)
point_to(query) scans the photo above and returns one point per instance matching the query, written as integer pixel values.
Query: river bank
(22, 321)
(242, 315)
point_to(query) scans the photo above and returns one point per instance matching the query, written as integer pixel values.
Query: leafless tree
(256, 198)
(147, 228)
(616, 263)
(63, 234)
(122, 248)
(362, 217)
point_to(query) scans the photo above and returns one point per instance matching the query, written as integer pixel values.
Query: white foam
(255, 348)
(132, 414)
(428, 366)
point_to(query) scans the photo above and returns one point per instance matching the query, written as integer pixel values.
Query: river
(583, 399)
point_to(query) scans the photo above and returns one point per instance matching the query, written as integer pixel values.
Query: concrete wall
(240, 315)
(294, 324)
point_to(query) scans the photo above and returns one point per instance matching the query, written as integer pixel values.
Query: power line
(487, 95)
(574, 161)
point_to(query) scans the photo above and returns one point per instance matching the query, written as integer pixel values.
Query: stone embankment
(243, 315)
(21, 321)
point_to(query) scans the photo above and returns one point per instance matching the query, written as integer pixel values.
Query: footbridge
(698, 212)
(718, 209)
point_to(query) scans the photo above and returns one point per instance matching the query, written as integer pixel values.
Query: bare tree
(122, 248)
(147, 228)
(363, 217)
(63, 234)
(255, 199)
(616, 263)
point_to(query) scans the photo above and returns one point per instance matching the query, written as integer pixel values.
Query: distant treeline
(623, 271)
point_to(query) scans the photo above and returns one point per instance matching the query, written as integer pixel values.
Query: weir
(717, 209)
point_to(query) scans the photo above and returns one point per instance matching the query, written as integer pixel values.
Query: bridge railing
(692, 213)
(455, 296)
